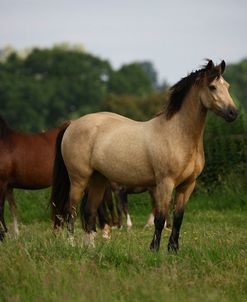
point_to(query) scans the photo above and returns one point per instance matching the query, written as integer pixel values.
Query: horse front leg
(162, 195)
(12, 205)
(182, 195)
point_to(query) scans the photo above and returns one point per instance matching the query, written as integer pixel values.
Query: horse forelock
(4, 129)
(179, 91)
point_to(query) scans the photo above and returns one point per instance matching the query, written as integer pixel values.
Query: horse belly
(131, 170)
(31, 173)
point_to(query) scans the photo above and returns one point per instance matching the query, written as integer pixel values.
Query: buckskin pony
(165, 153)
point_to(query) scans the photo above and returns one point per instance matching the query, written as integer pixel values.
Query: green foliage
(236, 75)
(136, 107)
(225, 153)
(49, 86)
(130, 79)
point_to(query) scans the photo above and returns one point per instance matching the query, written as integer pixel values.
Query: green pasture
(210, 266)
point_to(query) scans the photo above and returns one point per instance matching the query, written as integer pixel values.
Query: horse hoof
(106, 232)
(89, 239)
(106, 236)
(154, 247)
(147, 226)
(2, 236)
(173, 247)
(71, 241)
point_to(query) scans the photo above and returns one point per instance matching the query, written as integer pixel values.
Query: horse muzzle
(230, 114)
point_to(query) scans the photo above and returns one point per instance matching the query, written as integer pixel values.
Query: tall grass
(210, 266)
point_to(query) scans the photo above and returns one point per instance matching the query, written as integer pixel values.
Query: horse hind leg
(76, 191)
(12, 205)
(3, 227)
(96, 191)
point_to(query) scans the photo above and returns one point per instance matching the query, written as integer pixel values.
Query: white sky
(175, 35)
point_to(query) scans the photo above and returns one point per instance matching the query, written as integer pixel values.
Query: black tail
(60, 183)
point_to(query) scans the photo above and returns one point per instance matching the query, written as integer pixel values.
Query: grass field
(210, 266)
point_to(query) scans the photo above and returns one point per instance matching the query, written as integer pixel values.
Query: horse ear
(222, 66)
(210, 65)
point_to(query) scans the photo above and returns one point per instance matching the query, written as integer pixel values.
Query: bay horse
(165, 153)
(26, 162)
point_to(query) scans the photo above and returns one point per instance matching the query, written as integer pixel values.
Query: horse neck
(189, 122)
(192, 116)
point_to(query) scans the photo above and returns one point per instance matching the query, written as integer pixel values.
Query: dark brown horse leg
(3, 227)
(182, 195)
(110, 205)
(162, 195)
(95, 195)
(12, 205)
(103, 215)
(120, 195)
(119, 206)
(126, 210)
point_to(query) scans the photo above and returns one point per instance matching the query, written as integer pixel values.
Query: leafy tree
(51, 85)
(130, 79)
(236, 75)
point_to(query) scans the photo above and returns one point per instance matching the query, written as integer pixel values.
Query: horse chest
(191, 167)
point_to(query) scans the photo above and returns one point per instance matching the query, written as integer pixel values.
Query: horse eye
(212, 87)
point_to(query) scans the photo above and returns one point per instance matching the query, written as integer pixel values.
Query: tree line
(48, 86)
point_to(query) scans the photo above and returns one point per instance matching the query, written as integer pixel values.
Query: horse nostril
(232, 114)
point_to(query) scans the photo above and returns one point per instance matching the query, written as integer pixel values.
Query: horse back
(32, 157)
(110, 144)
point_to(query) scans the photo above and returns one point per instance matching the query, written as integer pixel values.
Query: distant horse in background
(26, 162)
(165, 154)
(106, 211)
(122, 204)
(121, 193)
(106, 214)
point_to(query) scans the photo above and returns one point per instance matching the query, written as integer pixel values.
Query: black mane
(179, 91)
(4, 128)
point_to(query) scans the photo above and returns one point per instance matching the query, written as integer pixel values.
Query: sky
(176, 36)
